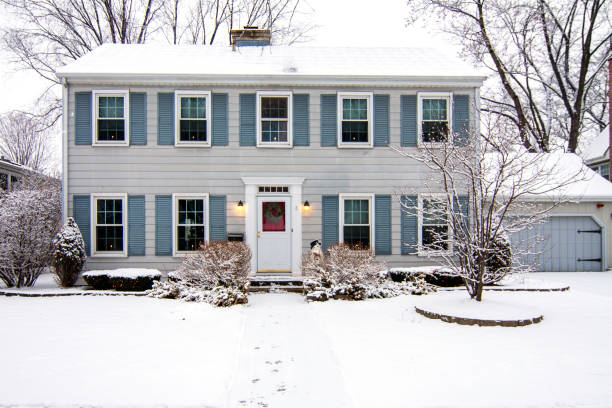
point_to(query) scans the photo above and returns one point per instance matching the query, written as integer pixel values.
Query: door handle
(258, 234)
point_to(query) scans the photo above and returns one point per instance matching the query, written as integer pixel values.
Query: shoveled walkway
(285, 359)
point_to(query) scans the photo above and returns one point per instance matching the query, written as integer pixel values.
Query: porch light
(306, 206)
(240, 205)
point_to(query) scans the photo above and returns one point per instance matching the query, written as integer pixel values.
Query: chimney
(250, 36)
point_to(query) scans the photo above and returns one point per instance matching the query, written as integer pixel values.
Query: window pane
(604, 170)
(192, 130)
(356, 109)
(109, 238)
(111, 129)
(435, 238)
(110, 107)
(193, 107)
(190, 238)
(435, 132)
(434, 212)
(191, 211)
(356, 212)
(273, 131)
(434, 109)
(357, 236)
(273, 216)
(274, 107)
(355, 132)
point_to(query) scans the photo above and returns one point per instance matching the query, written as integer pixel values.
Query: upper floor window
(604, 170)
(355, 119)
(434, 117)
(193, 118)
(274, 111)
(434, 217)
(109, 225)
(111, 117)
(356, 220)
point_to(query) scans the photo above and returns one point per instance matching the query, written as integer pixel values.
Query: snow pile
(69, 253)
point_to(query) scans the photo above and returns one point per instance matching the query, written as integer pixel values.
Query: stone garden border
(479, 322)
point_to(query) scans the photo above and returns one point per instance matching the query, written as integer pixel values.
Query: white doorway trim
(251, 185)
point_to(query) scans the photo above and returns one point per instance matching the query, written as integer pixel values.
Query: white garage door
(566, 244)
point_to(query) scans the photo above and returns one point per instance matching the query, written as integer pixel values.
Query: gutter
(64, 149)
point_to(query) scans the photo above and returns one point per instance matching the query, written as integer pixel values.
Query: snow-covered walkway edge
(279, 351)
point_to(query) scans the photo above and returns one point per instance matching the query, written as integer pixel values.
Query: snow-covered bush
(218, 273)
(127, 279)
(69, 253)
(30, 216)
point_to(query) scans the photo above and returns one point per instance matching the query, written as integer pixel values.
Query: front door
(273, 234)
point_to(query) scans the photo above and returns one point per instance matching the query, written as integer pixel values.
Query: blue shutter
(220, 128)
(248, 119)
(163, 225)
(217, 218)
(329, 120)
(81, 212)
(82, 120)
(409, 225)
(301, 120)
(165, 118)
(136, 225)
(461, 119)
(381, 120)
(330, 220)
(382, 224)
(138, 118)
(408, 120)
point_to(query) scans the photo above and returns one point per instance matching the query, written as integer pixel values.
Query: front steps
(276, 283)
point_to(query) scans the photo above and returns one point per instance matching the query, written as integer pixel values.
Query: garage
(562, 244)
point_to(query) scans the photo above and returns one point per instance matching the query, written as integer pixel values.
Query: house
(597, 153)
(168, 146)
(10, 174)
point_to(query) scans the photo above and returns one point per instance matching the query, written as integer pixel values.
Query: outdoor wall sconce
(306, 206)
(240, 205)
(600, 205)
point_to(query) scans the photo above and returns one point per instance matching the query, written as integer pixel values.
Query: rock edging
(479, 322)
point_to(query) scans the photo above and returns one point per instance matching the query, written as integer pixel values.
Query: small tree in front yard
(69, 254)
(481, 192)
(30, 217)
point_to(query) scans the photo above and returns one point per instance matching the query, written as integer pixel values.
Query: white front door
(273, 234)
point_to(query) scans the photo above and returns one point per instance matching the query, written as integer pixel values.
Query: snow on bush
(218, 273)
(345, 273)
(127, 279)
(30, 216)
(69, 254)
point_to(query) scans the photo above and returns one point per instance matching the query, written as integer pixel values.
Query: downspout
(610, 117)
(64, 149)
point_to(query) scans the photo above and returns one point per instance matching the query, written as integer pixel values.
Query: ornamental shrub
(498, 260)
(69, 254)
(130, 280)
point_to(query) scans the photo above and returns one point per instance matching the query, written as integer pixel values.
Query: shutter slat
(165, 118)
(382, 214)
(136, 225)
(163, 225)
(248, 120)
(301, 120)
(138, 118)
(220, 127)
(461, 119)
(81, 212)
(381, 120)
(218, 217)
(409, 225)
(83, 117)
(408, 120)
(329, 120)
(330, 220)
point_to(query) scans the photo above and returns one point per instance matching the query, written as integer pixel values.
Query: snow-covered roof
(9, 165)
(265, 62)
(599, 148)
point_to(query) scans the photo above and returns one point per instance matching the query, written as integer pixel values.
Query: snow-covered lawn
(279, 351)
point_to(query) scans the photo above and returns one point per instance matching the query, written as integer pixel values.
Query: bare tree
(24, 140)
(549, 58)
(479, 195)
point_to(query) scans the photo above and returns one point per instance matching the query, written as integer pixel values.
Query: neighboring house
(10, 174)
(597, 154)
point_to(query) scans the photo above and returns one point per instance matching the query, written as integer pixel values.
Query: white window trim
(126, 116)
(186, 196)
(449, 114)
(369, 96)
(93, 223)
(427, 252)
(289, 96)
(356, 196)
(177, 118)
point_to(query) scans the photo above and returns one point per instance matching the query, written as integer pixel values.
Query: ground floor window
(356, 221)
(109, 225)
(434, 231)
(190, 222)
